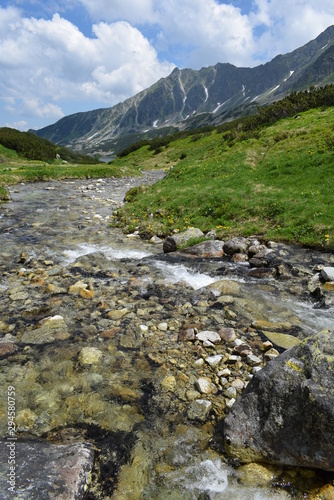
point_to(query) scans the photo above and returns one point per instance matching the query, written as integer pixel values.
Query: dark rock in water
(172, 243)
(42, 470)
(286, 413)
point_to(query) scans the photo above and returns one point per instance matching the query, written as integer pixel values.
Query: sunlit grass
(276, 182)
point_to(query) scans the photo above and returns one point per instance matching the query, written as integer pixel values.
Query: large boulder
(172, 243)
(286, 414)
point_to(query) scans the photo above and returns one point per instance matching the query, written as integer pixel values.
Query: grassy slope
(276, 181)
(14, 169)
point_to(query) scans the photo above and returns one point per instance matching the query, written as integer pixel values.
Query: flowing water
(114, 372)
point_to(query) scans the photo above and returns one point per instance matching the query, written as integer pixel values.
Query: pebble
(209, 336)
(205, 386)
(214, 361)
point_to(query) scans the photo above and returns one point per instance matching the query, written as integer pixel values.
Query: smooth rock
(214, 361)
(50, 470)
(282, 339)
(225, 287)
(205, 386)
(209, 336)
(206, 249)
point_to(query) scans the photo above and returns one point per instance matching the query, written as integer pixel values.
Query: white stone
(143, 328)
(230, 392)
(163, 327)
(328, 273)
(207, 335)
(214, 361)
(230, 403)
(205, 386)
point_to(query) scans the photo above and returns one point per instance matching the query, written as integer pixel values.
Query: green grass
(14, 169)
(275, 181)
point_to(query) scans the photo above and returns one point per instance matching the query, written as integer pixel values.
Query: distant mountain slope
(188, 99)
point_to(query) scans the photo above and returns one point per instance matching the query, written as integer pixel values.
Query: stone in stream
(236, 245)
(45, 470)
(328, 273)
(172, 243)
(199, 410)
(48, 331)
(206, 249)
(286, 413)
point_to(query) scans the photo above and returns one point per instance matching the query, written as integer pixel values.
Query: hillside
(188, 99)
(274, 180)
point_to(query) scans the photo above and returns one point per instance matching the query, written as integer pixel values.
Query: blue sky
(59, 57)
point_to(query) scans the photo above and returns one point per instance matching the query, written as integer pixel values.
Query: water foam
(176, 273)
(111, 253)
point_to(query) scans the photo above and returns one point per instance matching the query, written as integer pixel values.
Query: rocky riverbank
(112, 344)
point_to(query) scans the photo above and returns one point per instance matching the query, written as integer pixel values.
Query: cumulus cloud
(52, 59)
(289, 24)
(48, 62)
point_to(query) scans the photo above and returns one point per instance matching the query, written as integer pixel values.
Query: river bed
(90, 327)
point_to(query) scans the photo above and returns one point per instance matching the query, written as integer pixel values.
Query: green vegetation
(247, 177)
(14, 168)
(32, 147)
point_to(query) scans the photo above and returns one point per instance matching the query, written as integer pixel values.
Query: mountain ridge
(190, 98)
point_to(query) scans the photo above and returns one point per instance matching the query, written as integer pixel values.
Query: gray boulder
(286, 413)
(236, 245)
(172, 243)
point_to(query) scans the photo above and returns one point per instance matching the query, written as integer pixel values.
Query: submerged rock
(286, 413)
(46, 470)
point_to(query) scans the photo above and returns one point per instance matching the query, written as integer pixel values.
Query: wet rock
(90, 356)
(225, 287)
(209, 336)
(254, 474)
(172, 243)
(282, 339)
(235, 245)
(206, 249)
(7, 348)
(51, 329)
(267, 424)
(50, 471)
(262, 259)
(199, 410)
(262, 272)
(168, 383)
(24, 257)
(117, 313)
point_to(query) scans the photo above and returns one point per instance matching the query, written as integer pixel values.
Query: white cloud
(291, 23)
(45, 63)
